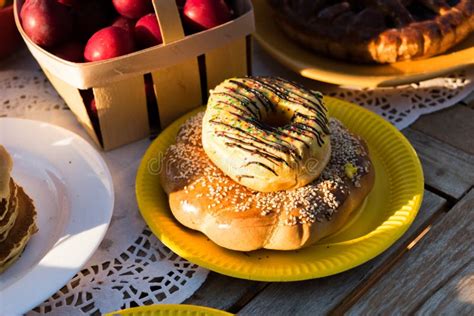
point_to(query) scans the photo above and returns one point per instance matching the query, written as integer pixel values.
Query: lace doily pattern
(25, 88)
(145, 273)
(131, 267)
(403, 105)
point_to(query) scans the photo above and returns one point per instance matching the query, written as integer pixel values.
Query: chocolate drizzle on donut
(285, 94)
(269, 106)
(266, 155)
(262, 165)
(245, 103)
(255, 150)
(249, 100)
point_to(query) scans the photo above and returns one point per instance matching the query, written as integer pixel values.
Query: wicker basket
(183, 69)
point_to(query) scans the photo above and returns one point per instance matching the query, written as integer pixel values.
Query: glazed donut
(203, 198)
(266, 133)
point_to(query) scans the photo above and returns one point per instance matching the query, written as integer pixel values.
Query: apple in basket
(133, 9)
(125, 23)
(108, 43)
(46, 22)
(201, 15)
(71, 51)
(147, 31)
(9, 37)
(93, 30)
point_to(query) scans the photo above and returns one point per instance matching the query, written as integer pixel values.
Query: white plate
(72, 189)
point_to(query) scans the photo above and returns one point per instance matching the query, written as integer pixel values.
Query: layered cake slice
(17, 215)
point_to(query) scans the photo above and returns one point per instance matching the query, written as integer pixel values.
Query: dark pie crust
(381, 31)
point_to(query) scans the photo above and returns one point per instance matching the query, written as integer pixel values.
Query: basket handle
(169, 20)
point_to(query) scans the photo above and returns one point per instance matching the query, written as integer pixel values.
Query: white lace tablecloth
(131, 267)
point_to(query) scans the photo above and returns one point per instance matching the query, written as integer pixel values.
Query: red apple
(9, 37)
(89, 101)
(108, 42)
(93, 107)
(46, 22)
(91, 16)
(71, 51)
(127, 24)
(93, 114)
(147, 31)
(133, 9)
(201, 15)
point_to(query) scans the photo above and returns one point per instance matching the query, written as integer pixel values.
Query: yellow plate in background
(318, 67)
(170, 310)
(389, 210)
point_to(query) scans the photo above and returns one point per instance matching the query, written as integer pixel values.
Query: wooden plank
(469, 105)
(177, 87)
(122, 111)
(226, 62)
(455, 297)
(436, 259)
(74, 100)
(454, 126)
(319, 296)
(177, 90)
(169, 20)
(445, 168)
(469, 100)
(224, 292)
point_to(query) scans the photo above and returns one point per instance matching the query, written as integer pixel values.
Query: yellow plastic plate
(170, 310)
(318, 67)
(388, 212)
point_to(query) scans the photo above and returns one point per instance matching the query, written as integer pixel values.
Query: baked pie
(381, 31)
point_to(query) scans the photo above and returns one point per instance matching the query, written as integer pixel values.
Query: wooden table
(430, 270)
